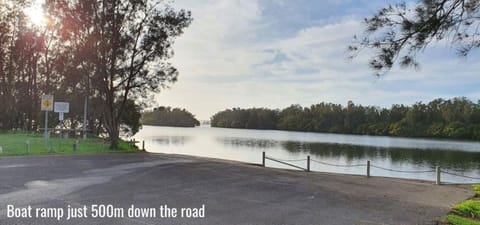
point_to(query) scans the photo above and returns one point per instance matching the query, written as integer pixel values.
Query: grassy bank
(465, 213)
(13, 144)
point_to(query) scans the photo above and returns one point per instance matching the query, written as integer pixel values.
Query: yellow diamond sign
(47, 102)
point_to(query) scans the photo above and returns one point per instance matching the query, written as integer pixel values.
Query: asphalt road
(231, 193)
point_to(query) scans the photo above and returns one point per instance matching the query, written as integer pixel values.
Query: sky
(275, 53)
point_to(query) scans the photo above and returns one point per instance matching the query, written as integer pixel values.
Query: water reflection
(429, 157)
(247, 142)
(172, 140)
(403, 154)
(448, 159)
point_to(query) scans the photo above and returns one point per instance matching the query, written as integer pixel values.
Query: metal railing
(285, 162)
(438, 171)
(133, 142)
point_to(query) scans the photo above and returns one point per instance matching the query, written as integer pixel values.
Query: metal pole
(46, 125)
(308, 163)
(85, 117)
(143, 145)
(263, 159)
(438, 171)
(368, 168)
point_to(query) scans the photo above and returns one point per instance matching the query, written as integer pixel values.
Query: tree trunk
(114, 139)
(112, 127)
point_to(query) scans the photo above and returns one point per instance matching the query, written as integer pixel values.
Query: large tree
(399, 32)
(121, 48)
(24, 67)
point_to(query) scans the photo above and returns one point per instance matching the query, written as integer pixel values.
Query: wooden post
(143, 145)
(368, 168)
(308, 163)
(438, 171)
(75, 145)
(28, 146)
(263, 159)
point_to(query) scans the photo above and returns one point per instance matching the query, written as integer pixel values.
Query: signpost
(47, 105)
(61, 108)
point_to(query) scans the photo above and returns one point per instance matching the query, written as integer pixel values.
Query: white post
(28, 146)
(308, 163)
(368, 168)
(438, 172)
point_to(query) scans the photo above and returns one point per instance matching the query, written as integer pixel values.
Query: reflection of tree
(172, 140)
(429, 157)
(248, 142)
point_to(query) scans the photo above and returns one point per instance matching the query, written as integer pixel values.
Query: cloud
(218, 39)
(318, 48)
(276, 53)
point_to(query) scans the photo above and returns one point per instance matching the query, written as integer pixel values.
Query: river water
(335, 153)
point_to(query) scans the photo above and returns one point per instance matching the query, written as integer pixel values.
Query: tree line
(167, 116)
(114, 53)
(457, 118)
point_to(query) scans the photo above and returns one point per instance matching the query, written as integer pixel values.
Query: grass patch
(459, 220)
(13, 144)
(469, 208)
(476, 188)
(465, 213)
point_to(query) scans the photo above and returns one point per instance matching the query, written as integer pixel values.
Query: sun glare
(36, 14)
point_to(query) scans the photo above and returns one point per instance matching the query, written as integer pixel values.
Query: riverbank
(16, 144)
(232, 192)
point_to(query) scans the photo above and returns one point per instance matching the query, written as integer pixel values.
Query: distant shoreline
(451, 119)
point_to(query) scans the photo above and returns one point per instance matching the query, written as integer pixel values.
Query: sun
(36, 14)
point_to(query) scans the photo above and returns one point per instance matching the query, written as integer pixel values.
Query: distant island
(457, 118)
(167, 116)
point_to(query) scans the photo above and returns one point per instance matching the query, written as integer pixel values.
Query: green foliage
(476, 188)
(470, 208)
(398, 32)
(465, 213)
(166, 116)
(453, 219)
(256, 118)
(114, 51)
(130, 118)
(456, 118)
